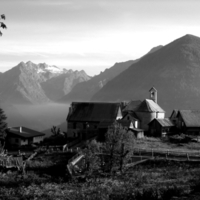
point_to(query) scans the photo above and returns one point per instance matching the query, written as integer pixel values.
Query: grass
(164, 144)
(152, 180)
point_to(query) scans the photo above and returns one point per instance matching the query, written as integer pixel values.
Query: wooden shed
(161, 127)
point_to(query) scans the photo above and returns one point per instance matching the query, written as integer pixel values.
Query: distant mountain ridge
(85, 91)
(174, 70)
(25, 83)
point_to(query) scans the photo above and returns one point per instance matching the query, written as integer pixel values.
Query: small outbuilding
(188, 122)
(161, 127)
(19, 136)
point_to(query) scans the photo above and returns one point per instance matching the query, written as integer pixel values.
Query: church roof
(149, 105)
(153, 88)
(132, 105)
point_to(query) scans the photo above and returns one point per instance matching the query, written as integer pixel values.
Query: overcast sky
(91, 34)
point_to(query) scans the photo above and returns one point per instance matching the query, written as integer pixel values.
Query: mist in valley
(38, 117)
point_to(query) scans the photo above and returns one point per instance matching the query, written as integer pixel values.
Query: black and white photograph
(99, 100)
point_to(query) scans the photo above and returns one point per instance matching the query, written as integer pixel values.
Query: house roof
(166, 122)
(174, 113)
(93, 111)
(124, 123)
(149, 105)
(132, 106)
(191, 118)
(25, 132)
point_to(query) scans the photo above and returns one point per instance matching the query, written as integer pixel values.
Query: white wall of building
(160, 115)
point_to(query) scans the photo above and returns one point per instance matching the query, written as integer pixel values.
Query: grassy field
(164, 144)
(46, 179)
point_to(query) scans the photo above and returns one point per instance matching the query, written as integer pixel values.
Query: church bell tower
(153, 94)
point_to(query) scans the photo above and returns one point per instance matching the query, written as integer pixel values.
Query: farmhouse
(19, 136)
(188, 122)
(84, 118)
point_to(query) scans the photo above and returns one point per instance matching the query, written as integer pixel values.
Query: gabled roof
(93, 111)
(166, 122)
(149, 105)
(191, 118)
(124, 123)
(133, 116)
(132, 106)
(152, 89)
(25, 132)
(174, 113)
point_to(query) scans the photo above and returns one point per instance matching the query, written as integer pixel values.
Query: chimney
(20, 129)
(153, 94)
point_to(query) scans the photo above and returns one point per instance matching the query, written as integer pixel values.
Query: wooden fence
(168, 154)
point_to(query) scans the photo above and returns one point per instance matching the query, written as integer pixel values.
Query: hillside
(84, 91)
(174, 70)
(29, 83)
(59, 86)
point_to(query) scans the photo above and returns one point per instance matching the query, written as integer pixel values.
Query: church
(86, 119)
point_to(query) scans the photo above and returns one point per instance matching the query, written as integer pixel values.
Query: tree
(118, 146)
(92, 160)
(2, 25)
(3, 127)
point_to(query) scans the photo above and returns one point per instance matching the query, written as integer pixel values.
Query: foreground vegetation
(47, 178)
(152, 180)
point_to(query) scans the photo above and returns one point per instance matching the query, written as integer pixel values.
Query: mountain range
(174, 70)
(29, 83)
(86, 90)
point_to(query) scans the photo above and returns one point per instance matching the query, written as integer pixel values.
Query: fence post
(187, 156)
(152, 152)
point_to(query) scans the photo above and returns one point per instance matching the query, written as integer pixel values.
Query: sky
(91, 35)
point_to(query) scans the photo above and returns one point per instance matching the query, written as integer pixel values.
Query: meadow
(47, 178)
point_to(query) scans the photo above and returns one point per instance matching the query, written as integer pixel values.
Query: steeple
(153, 94)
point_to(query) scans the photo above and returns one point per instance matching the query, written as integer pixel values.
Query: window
(85, 125)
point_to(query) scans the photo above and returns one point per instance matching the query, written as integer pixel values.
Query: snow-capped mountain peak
(44, 68)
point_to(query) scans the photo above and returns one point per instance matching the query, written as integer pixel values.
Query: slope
(84, 91)
(23, 84)
(59, 86)
(174, 70)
